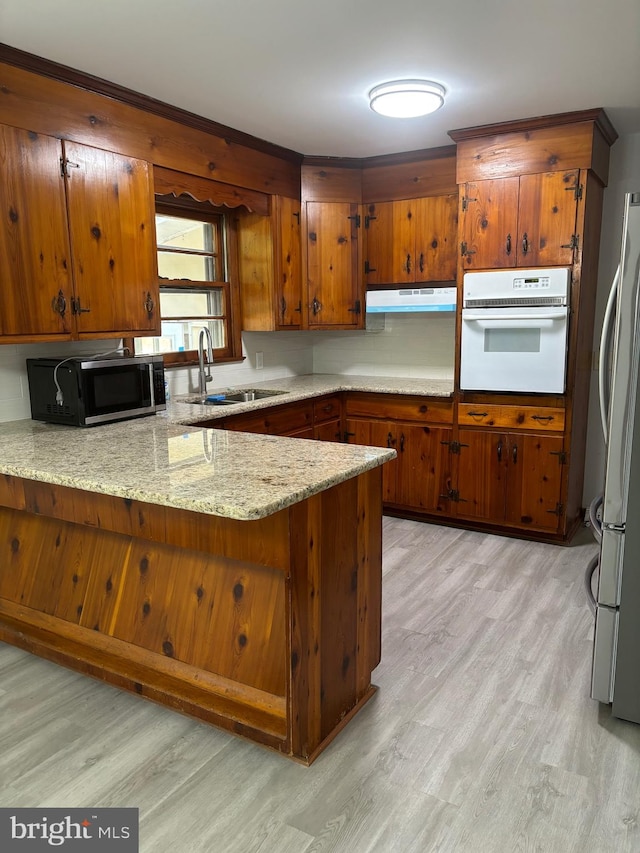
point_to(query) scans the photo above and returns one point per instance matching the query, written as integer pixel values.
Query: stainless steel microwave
(84, 391)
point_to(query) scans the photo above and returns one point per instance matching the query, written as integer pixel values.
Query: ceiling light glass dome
(406, 98)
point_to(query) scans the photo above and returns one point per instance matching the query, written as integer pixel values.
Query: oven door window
(512, 340)
(110, 389)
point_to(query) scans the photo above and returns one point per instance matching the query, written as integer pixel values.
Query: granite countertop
(303, 388)
(167, 460)
(216, 472)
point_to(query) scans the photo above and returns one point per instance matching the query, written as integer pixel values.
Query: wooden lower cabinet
(510, 478)
(419, 478)
(328, 431)
(319, 419)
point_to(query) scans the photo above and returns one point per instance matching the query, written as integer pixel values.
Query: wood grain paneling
(278, 647)
(44, 105)
(389, 178)
(527, 151)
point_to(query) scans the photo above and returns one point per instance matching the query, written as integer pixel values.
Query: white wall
(415, 345)
(624, 176)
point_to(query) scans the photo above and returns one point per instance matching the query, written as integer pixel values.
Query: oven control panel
(542, 282)
(492, 287)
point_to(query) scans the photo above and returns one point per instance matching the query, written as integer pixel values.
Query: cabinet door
(112, 225)
(288, 263)
(404, 241)
(35, 268)
(332, 264)
(423, 467)
(535, 481)
(377, 434)
(329, 431)
(379, 236)
(482, 475)
(547, 218)
(435, 238)
(489, 223)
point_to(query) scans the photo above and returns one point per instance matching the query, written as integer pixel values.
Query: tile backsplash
(420, 345)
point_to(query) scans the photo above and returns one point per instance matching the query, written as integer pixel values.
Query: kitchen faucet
(204, 376)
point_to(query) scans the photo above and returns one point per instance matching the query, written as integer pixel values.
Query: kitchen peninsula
(232, 577)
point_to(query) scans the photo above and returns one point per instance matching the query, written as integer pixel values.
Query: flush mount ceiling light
(406, 98)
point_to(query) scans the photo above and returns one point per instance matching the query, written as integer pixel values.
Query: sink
(245, 395)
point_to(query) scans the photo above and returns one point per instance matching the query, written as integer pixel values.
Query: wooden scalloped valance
(168, 182)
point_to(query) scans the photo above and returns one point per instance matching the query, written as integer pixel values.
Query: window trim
(185, 207)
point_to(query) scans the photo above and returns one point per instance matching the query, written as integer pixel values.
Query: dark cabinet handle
(507, 247)
(283, 306)
(514, 453)
(389, 440)
(421, 262)
(149, 305)
(316, 306)
(401, 442)
(499, 450)
(477, 414)
(525, 243)
(59, 304)
(407, 266)
(547, 418)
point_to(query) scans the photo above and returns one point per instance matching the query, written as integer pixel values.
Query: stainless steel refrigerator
(616, 655)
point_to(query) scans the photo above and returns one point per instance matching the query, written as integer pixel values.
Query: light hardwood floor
(482, 736)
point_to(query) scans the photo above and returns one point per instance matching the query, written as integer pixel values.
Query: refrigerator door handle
(606, 343)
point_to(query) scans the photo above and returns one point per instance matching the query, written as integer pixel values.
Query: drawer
(276, 420)
(511, 417)
(326, 409)
(400, 408)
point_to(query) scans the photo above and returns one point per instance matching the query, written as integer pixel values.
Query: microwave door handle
(606, 343)
(152, 386)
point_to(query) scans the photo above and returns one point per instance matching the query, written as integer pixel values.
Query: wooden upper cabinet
(411, 241)
(112, 228)
(77, 242)
(334, 290)
(526, 221)
(35, 261)
(270, 268)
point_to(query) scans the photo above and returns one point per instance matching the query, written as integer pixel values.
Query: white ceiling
(297, 72)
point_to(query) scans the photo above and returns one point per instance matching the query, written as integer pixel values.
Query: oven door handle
(485, 315)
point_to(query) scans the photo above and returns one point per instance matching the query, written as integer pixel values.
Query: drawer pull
(499, 451)
(477, 414)
(541, 417)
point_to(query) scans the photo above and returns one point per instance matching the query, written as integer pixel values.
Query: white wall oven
(514, 330)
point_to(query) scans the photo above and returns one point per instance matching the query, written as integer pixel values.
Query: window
(197, 272)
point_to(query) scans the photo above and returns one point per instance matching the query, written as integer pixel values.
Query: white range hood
(411, 299)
